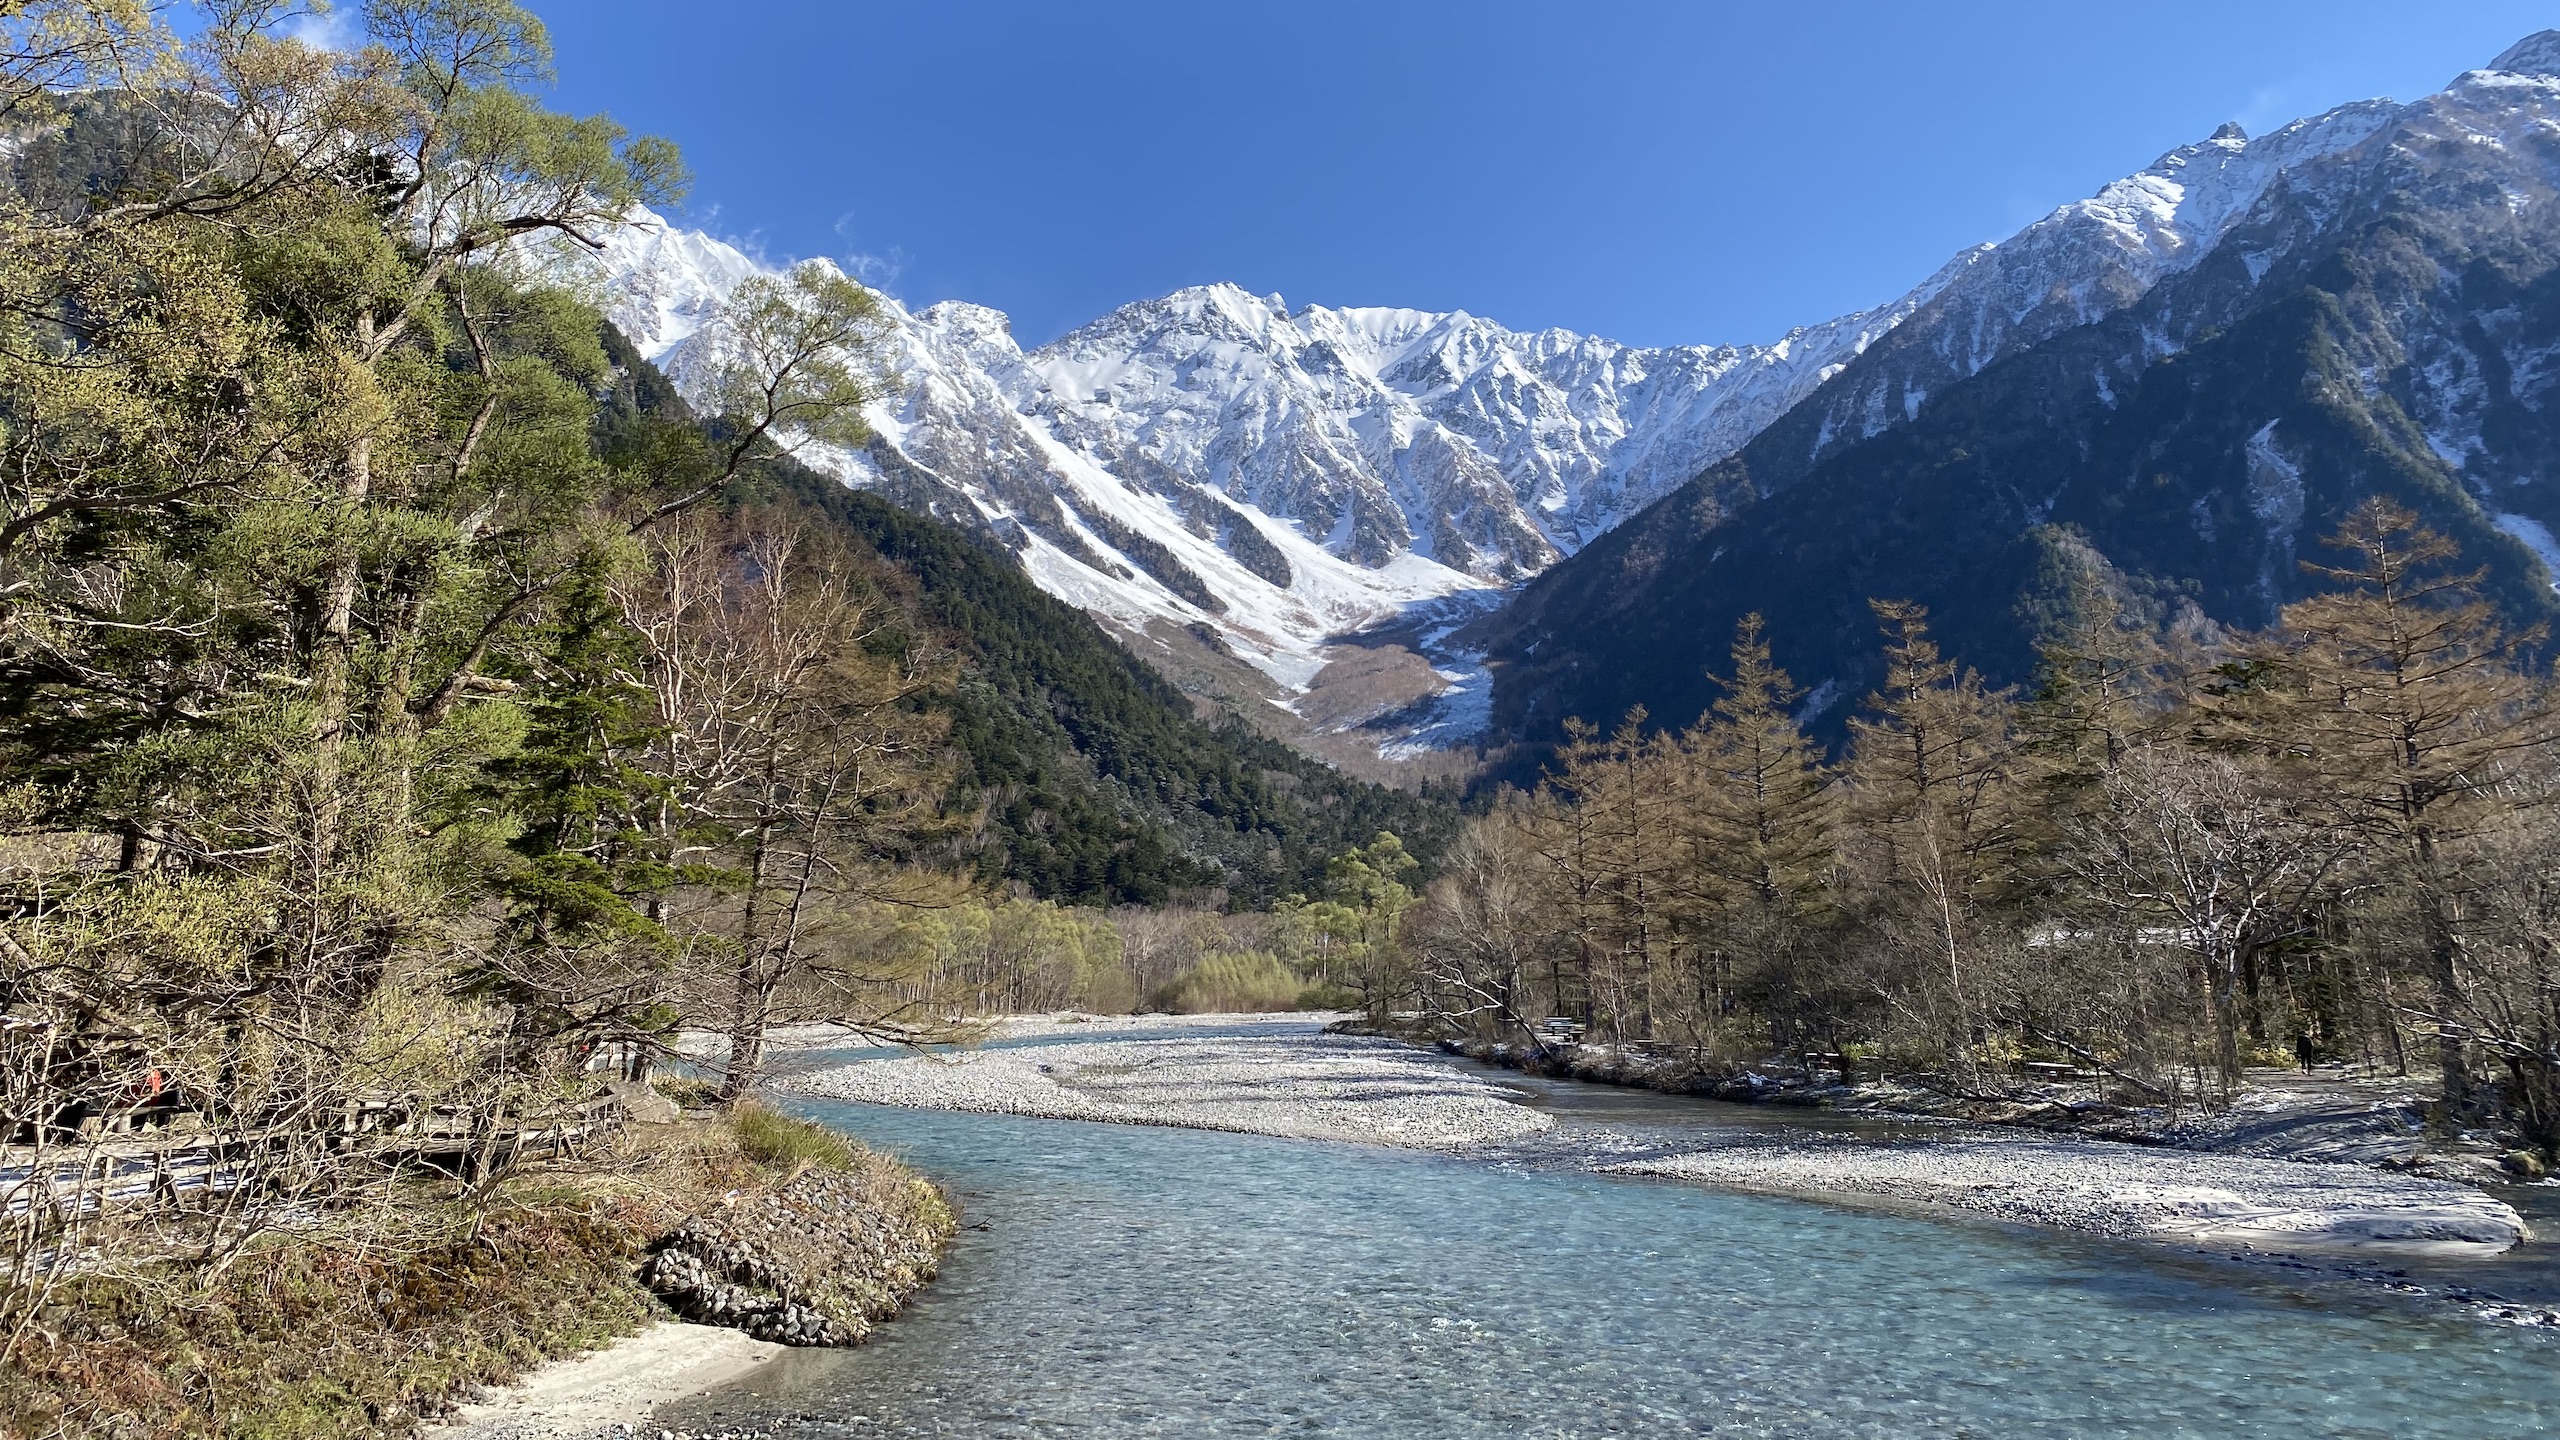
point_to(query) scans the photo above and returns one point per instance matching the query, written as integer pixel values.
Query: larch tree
(1760, 823)
(2400, 693)
(1931, 786)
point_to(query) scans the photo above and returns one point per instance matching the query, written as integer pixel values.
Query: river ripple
(1144, 1282)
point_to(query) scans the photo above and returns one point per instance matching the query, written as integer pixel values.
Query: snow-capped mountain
(1215, 460)
(2175, 390)
(2085, 261)
(659, 284)
(1269, 479)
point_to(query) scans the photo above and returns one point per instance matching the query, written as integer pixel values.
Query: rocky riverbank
(1331, 1086)
(2325, 1116)
(790, 1235)
(820, 1261)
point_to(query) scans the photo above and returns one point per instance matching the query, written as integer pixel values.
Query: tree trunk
(2224, 972)
(2452, 1054)
(755, 980)
(334, 658)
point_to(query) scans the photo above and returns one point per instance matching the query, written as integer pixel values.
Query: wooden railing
(107, 1168)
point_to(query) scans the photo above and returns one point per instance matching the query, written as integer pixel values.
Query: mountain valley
(1320, 518)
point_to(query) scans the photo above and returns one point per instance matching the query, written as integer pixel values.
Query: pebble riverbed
(1297, 1086)
(2122, 1191)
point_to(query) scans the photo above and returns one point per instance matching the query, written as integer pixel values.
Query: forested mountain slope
(2380, 318)
(1099, 782)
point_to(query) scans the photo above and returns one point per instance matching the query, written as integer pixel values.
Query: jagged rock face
(1381, 431)
(2537, 54)
(2376, 309)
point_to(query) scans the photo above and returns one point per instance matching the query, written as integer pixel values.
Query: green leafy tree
(1366, 897)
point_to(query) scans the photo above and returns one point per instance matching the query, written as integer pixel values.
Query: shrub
(1328, 997)
(692, 1092)
(1251, 981)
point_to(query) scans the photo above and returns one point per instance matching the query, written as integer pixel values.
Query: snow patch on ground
(2537, 538)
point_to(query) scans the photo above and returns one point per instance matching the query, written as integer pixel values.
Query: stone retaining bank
(2045, 1108)
(820, 1261)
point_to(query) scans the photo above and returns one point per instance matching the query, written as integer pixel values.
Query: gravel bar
(1301, 1086)
(1342, 1087)
(2126, 1191)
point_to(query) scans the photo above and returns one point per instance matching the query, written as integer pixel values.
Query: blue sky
(1662, 173)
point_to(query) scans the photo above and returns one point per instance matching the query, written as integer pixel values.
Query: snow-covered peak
(2084, 261)
(663, 283)
(2535, 54)
(2168, 215)
(982, 335)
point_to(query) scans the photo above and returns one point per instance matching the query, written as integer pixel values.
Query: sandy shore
(1290, 1083)
(2126, 1191)
(603, 1394)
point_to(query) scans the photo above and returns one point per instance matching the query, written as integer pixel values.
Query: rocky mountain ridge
(1215, 464)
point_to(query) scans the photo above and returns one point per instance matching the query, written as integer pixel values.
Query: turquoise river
(1127, 1281)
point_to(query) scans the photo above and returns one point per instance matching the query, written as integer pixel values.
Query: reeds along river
(1147, 1282)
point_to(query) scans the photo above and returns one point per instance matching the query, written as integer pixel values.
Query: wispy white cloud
(329, 27)
(877, 269)
(750, 243)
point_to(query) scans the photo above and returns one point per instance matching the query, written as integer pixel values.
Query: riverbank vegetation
(319, 1331)
(411, 714)
(2185, 853)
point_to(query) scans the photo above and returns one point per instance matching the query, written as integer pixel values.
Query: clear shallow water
(1143, 1282)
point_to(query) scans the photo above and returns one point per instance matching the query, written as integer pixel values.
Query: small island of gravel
(1292, 1084)
(2123, 1191)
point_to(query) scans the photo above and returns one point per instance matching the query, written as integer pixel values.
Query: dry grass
(773, 1139)
(299, 1341)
